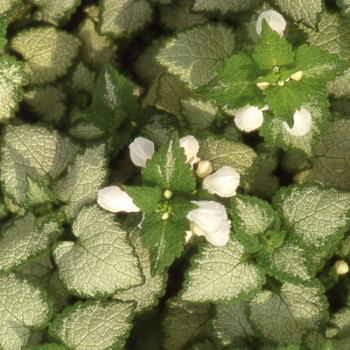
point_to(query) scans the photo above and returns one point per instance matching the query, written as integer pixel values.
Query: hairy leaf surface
(101, 261)
(219, 274)
(195, 54)
(296, 309)
(23, 308)
(48, 52)
(95, 325)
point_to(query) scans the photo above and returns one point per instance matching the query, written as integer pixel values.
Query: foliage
(173, 176)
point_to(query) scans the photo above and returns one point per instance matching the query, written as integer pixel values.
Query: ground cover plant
(175, 174)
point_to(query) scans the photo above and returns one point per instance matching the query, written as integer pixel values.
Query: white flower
(249, 118)
(141, 150)
(223, 182)
(275, 21)
(114, 199)
(302, 123)
(210, 220)
(191, 146)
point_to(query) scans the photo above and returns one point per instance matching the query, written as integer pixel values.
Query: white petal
(220, 236)
(209, 216)
(141, 150)
(191, 146)
(114, 199)
(302, 123)
(275, 21)
(249, 118)
(223, 182)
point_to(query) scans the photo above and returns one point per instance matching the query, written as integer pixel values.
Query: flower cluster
(210, 218)
(250, 118)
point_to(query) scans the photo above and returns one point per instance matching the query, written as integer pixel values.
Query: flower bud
(167, 194)
(204, 168)
(280, 83)
(297, 76)
(341, 267)
(263, 85)
(165, 216)
(141, 150)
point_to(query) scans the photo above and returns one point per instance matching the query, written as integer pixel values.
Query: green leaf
(317, 217)
(165, 93)
(339, 325)
(146, 198)
(275, 133)
(101, 255)
(43, 272)
(251, 218)
(12, 78)
(180, 207)
(7, 10)
(147, 294)
(288, 263)
(184, 322)
(168, 168)
(26, 238)
(204, 344)
(331, 158)
(83, 79)
(86, 131)
(179, 16)
(164, 239)
(23, 308)
(7, 5)
(221, 275)
(345, 7)
(318, 66)
(222, 151)
(285, 315)
(265, 184)
(340, 86)
(124, 17)
(84, 177)
(198, 114)
(195, 54)
(50, 346)
(230, 324)
(48, 52)
(285, 100)
(272, 50)
(235, 83)
(113, 100)
(307, 12)
(56, 12)
(49, 102)
(32, 150)
(157, 125)
(37, 194)
(94, 324)
(224, 7)
(96, 49)
(332, 35)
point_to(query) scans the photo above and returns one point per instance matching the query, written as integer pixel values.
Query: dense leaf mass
(174, 174)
